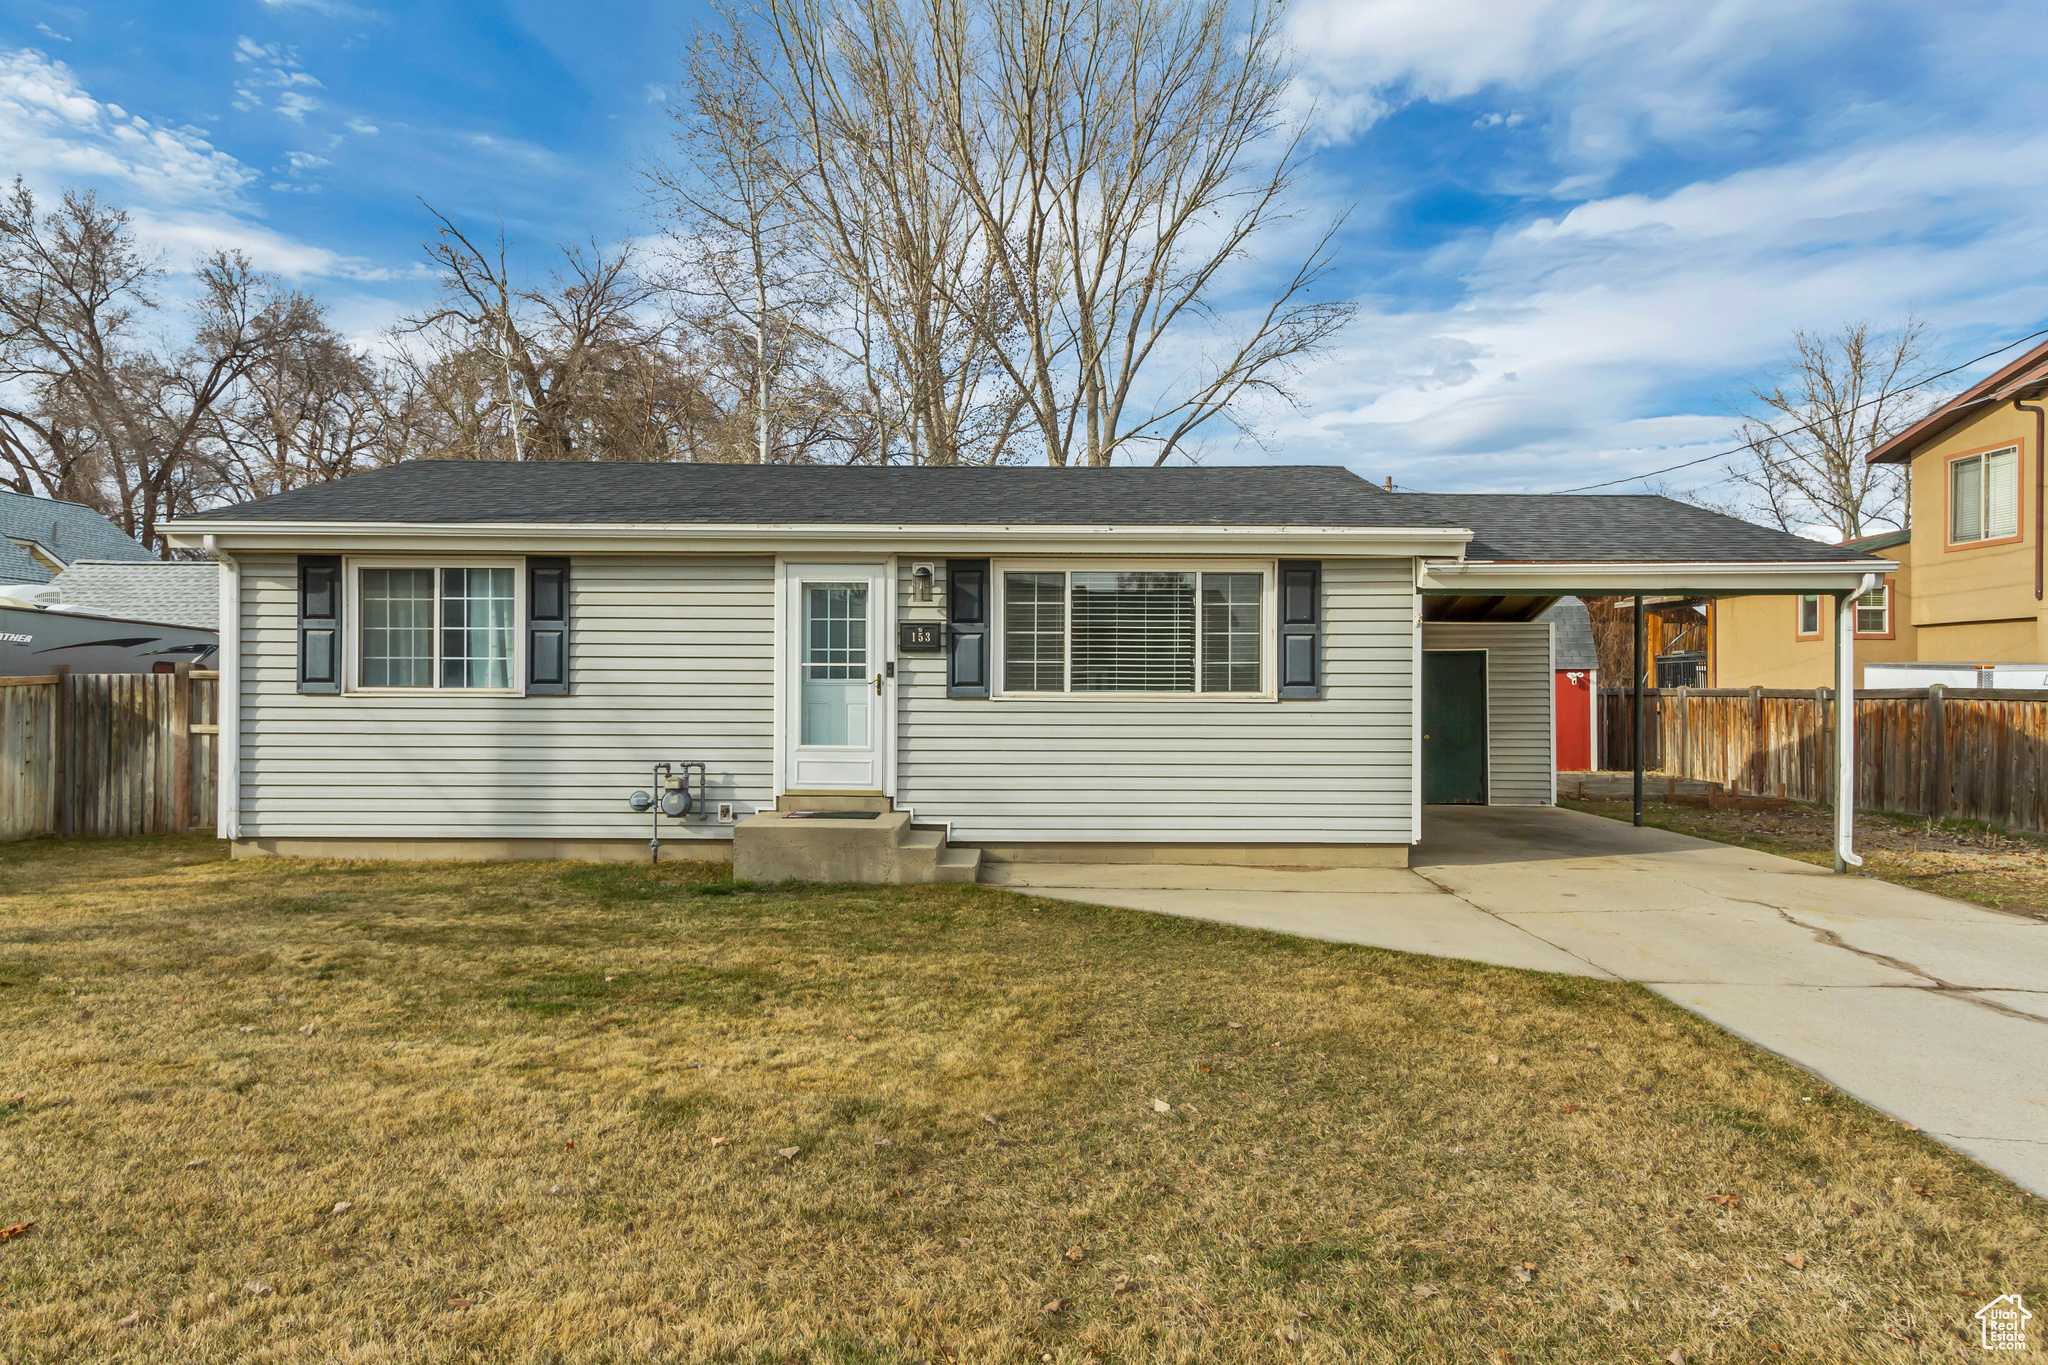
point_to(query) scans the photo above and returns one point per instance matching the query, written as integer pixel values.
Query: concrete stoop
(810, 838)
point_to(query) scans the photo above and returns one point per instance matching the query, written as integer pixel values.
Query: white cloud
(273, 72)
(52, 34)
(362, 127)
(1569, 330)
(52, 128)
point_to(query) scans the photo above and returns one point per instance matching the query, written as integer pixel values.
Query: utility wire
(1726, 454)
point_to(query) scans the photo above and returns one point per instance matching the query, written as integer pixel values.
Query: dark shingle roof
(1572, 635)
(1871, 545)
(1513, 527)
(1581, 528)
(68, 530)
(741, 494)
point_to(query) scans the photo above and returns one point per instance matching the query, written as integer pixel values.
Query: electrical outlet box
(725, 815)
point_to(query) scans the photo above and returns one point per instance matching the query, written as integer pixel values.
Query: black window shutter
(967, 590)
(320, 623)
(547, 627)
(1301, 628)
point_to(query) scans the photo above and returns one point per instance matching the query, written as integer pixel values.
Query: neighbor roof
(1571, 635)
(1509, 527)
(68, 530)
(2006, 383)
(168, 594)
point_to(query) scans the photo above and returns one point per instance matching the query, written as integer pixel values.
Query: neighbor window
(427, 627)
(1133, 631)
(1874, 611)
(1809, 614)
(1984, 496)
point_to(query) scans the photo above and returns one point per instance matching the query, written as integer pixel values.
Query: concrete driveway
(1928, 1009)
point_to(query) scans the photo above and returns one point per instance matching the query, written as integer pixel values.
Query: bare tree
(307, 412)
(563, 355)
(1837, 398)
(859, 158)
(104, 413)
(1122, 155)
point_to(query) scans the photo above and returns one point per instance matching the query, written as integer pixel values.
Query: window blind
(1133, 632)
(1034, 632)
(1966, 500)
(2001, 494)
(1873, 613)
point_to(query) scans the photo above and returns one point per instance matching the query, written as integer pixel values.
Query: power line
(1726, 454)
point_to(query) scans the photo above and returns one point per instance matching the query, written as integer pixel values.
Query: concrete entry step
(846, 843)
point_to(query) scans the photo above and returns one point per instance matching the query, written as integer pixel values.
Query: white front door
(834, 692)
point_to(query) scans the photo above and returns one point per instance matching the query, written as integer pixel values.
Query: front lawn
(321, 1112)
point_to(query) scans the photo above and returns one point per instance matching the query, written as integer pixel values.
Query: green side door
(1454, 727)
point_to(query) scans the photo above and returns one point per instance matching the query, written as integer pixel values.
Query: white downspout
(1845, 725)
(227, 744)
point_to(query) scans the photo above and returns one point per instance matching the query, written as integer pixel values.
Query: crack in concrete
(1518, 928)
(1829, 938)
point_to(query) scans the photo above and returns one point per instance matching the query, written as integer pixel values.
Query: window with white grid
(425, 626)
(1133, 631)
(1874, 611)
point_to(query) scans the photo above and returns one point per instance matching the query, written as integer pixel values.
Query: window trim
(352, 637)
(1891, 620)
(1269, 579)
(1820, 616)
(1948, 486)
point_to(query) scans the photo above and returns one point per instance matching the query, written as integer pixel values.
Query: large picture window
(1133, 630)
(437, 626)
(1984, 497)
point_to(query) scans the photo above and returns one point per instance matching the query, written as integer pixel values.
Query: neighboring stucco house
(39, 537)
(1790, 641)
(1969, 586)
(1279, 664)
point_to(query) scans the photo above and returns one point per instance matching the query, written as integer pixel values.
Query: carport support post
(1635, 709)
(1845, 732)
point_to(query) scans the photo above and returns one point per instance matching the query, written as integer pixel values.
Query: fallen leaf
(988, 1118)
(1677, 1357)
(459, 1303)
(721, 1142)
(1288, 1333)
(1161, 1107)
(1208, 1070)
(246, 1028)
(1260, 1151)
(1121, 1284)
(1628, 1260)
(343, 1207)
(883, 1142)
(1077, 1253)
(1235, 1024)
(1795, 1260)
(556, 1190)
(18, 1230)
(306, 1029)
(569, 1146)
(1055, 1306)
(1567, 1109)
(130, 1320)
(257, 1287)
(965, 1241)
(1493, 1059)
(1424, 1291)
(195, 1163)
(789, 1153)
(1525, 1273)
(1726, 1201)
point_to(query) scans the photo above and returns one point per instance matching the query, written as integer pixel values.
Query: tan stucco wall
(1756, 643)
(1970, 583)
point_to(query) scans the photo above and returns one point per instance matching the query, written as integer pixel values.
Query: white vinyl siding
(672, 659)
(1187, 768)
(1520, 692)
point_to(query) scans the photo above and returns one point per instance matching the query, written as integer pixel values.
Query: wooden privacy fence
(108, 753)
(1976, 755)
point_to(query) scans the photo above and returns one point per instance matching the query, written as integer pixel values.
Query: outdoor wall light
(921, 576)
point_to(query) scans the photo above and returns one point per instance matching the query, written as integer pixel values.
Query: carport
(1528, 551)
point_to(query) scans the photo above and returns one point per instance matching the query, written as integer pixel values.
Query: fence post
(60, 747)
(1759, 750)
(1934, 752)
(1684, 764)
(181, 747)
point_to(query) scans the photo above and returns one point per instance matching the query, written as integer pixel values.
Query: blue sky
(1580, 227)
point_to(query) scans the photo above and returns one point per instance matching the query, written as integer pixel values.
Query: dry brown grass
(1960, 858)
(519, 1077)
